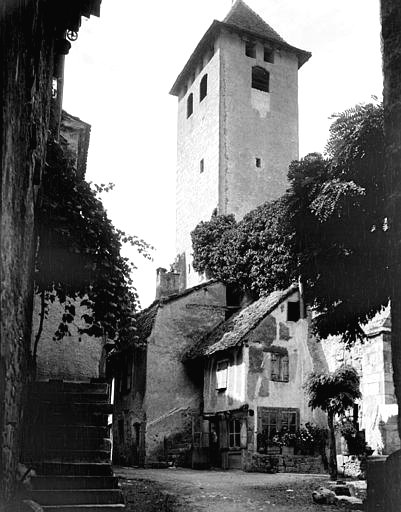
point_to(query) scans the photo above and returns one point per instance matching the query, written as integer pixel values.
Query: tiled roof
(232, 332)
(145, 320)
(243, 17)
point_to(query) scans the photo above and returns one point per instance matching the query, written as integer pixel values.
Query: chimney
(167, 283)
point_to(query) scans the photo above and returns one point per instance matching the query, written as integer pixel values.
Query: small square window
(201, 165)
(268, 55)
(250, 50)
(258, 162)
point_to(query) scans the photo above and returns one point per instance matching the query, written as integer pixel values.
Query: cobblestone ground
(182, 490)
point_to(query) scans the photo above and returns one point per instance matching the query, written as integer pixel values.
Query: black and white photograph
(200, 255)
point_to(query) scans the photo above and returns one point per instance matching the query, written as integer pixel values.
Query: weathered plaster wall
(77, 357)
(174, 390)
(249, 379)
(26, 62)
(235, 395)
(197, 139)
(229, 129)
(378, 406)
(255, 124)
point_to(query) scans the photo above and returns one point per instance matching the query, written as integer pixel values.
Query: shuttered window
(279, 368)
(260, 79)
(221, 375)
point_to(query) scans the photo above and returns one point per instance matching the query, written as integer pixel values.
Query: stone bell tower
(237, 124)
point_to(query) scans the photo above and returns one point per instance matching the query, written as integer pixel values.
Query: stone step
(74, 482)
(68, 397)
(75, 407)
(73, 418)
(77, 496)
(77, 455)
(53, 468)
(76, 432)
(62, 442)
(115, 507)
(60, 386)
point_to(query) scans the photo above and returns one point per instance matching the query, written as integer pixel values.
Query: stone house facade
(237, 128)
(32, 48)
(255, 364)
(156, 396)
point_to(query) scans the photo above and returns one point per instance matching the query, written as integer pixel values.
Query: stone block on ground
(349, 503)
(324, 496)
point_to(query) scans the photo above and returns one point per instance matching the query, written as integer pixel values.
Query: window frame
(250, 49)
(260, 79)
(268, 55)
(234, 433)
(203, 88)
(279, 367)
(222, 380)
(190, 105)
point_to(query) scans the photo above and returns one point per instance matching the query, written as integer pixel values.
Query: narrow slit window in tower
(258, 162)
(201, 166)
(260, 79)
(250, 50)
(190, 105)
(203, 88)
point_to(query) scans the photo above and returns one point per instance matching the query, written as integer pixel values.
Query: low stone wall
(261, 463)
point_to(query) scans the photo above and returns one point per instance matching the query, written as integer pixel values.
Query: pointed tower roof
(243, 20)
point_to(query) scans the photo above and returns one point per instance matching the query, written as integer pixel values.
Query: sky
(121, 68)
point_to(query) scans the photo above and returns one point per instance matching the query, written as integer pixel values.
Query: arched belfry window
(203, 88)
(260, 79)
(190, 104)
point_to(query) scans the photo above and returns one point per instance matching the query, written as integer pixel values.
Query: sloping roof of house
(233, 331)
(241, 19)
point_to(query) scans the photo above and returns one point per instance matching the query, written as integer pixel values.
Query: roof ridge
(267, 27)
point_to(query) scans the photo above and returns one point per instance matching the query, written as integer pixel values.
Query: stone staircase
(69, 447)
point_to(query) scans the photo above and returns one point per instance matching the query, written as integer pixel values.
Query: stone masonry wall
(26, 63)
(255, 462)
(174, 390)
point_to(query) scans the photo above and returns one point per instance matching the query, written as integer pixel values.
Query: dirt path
(176, 489)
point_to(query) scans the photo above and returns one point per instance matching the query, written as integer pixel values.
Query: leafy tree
(253, 254)
(329, 229)
(79, 258)
(336, 206)
(333, 393)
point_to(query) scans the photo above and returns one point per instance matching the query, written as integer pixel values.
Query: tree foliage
(333, 393)
(329, 229)
(79, 254)
(253, 253)
(336, 206)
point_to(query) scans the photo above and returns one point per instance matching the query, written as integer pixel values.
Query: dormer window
(190, 105)
(260, 79)
(203, 88)
(250, 50)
